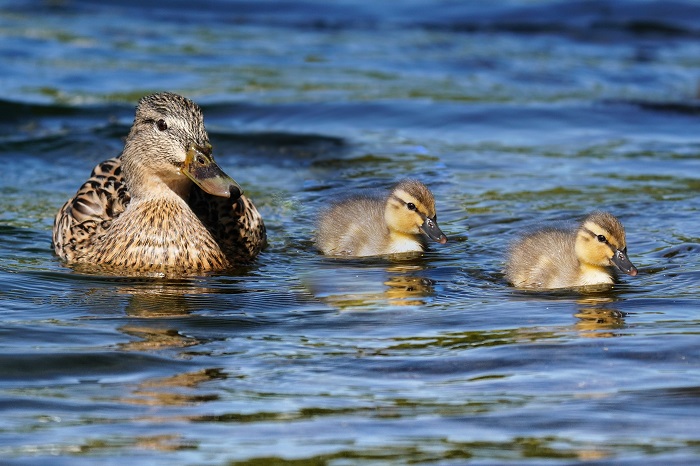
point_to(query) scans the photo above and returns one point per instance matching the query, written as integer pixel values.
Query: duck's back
(545, 259)
(237, 227)
(85, 219)
(354, 227)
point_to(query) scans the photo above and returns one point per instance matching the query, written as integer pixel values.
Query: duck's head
(410, 209)
(168, 148)
(601, 241)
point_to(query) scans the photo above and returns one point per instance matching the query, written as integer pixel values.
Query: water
(515, 113)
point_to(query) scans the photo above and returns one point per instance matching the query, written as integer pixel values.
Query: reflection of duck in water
(556, 258)
(365, 287)
(372, 226)
(164, 204)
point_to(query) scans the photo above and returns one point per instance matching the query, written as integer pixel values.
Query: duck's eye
(162, 125)
(601, 238)
(411, 206)
(200, 160)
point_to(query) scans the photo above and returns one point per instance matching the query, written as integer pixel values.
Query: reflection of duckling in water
(407, 290)
(372, 226)
(406, 285)
(597, 317)
(556, 258)
(362, 287)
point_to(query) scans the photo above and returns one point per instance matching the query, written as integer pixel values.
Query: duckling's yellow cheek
(606, 257)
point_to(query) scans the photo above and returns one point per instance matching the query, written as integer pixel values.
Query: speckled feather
(85, 218)
(237, 227)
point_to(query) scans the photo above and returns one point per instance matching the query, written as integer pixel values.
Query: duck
(365, 225)
(164, 205)
(551, 258)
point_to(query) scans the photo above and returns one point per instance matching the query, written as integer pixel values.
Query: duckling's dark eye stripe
(606, 242)
(416, 210)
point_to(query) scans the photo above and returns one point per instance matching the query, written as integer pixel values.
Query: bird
(363, 225)
(553, 258)
(163, 205)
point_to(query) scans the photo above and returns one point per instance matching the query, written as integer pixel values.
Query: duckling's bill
(431, 229)
(622, 262)
(201, 168)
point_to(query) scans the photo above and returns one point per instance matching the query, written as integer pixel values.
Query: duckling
(372, 226)
(557, 258)
(164, 204)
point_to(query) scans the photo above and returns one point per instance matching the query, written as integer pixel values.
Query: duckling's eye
(162, 125)
(411, 206)
(601, 238)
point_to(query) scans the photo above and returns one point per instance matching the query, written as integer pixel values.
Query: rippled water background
(513, 112)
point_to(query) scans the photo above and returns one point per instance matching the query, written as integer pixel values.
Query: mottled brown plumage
(557, 258)
(371, 226)
(148, 211)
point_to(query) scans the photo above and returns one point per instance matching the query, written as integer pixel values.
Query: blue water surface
(516, 114)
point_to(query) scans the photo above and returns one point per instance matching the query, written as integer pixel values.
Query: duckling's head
(410, 209)
(168, 148)
(600, 241)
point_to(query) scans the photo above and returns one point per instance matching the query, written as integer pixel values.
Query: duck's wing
(237, 226)
(89, 214)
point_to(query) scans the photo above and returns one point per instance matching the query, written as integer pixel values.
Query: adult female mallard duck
(557, 258)
(164, 205)
(372, 226)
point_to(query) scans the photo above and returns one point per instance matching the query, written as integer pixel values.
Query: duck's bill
(204, 172)
(623, 263)
(431, 229)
